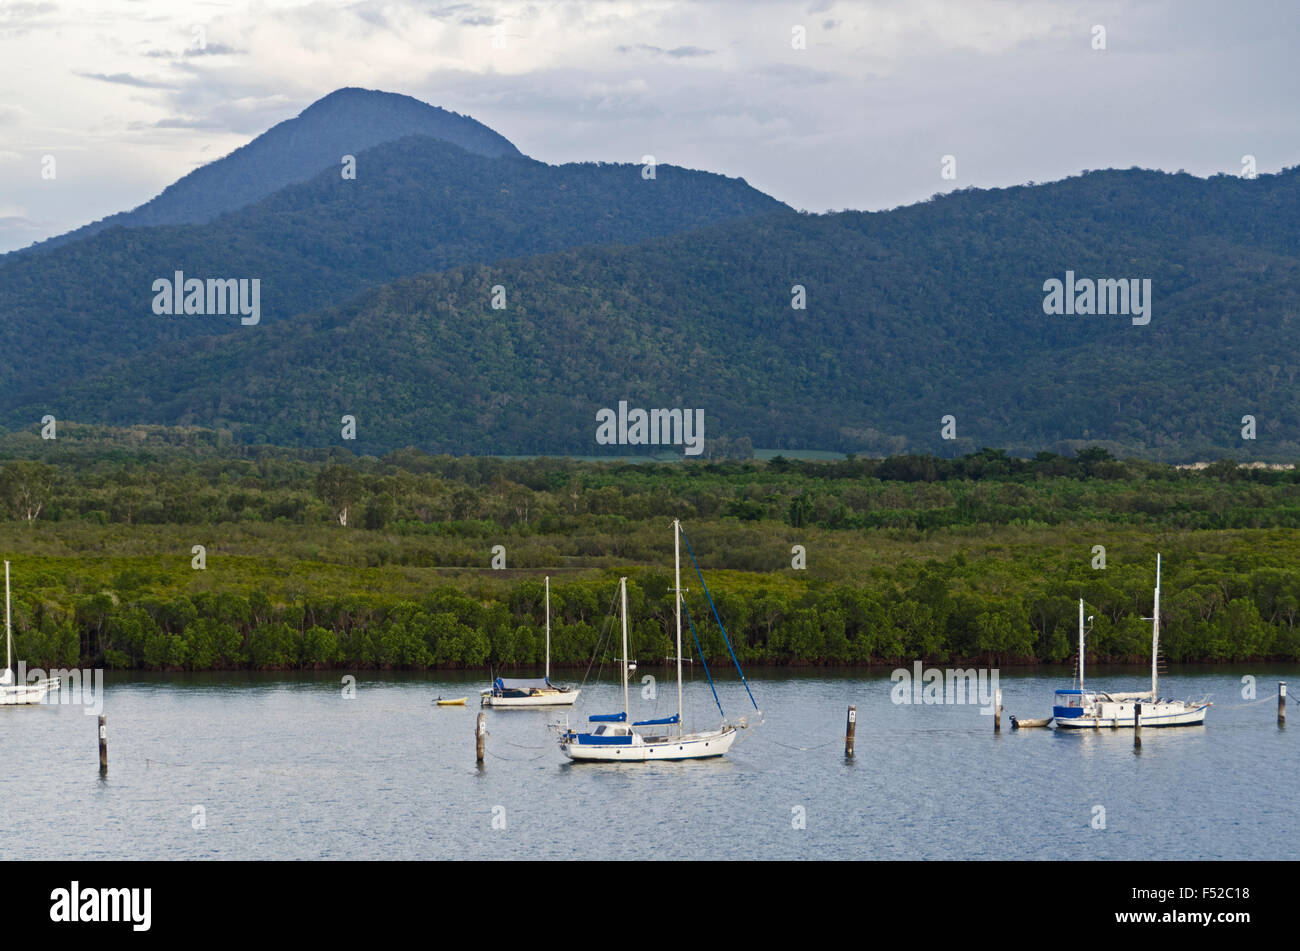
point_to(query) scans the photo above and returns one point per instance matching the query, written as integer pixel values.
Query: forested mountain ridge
(345, 122)
(418, 204)
(912, 315)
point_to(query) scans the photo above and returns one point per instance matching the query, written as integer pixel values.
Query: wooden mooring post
(480, 737)
(997, 711)
(103, 746)
(1281, 703)
(1137, 726)
(849, 730)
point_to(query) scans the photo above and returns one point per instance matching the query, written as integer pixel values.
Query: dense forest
(172, 549)
(911, 316)
(417, 204)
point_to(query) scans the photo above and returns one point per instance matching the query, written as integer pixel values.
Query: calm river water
(240, 766)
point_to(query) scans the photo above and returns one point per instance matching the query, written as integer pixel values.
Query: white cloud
(859, 118)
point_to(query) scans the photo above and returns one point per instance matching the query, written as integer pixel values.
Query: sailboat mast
(1081, 645)
(623, 586)
(548, 629)
(677, 590)
(9, 634)
(1155, 634)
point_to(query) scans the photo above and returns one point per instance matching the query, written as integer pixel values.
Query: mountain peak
(356, 105)
(345, 122)
(348, 97)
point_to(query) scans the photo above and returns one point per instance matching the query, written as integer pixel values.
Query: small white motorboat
(1022, 723)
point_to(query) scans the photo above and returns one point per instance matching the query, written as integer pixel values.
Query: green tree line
(907, 557)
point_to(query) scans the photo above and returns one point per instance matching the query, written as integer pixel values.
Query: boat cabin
(605, 734)
(1071, 703)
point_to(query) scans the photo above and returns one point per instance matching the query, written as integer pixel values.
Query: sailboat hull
(13, 695)
(557, 698)
(649, 748)
(1120, 716)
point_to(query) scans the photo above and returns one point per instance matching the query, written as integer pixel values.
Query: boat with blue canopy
(1079, 708)
(613, 739)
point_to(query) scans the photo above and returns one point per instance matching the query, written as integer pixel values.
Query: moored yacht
(12, 694)
(1081, 708)
(614, 740)
(537, 692)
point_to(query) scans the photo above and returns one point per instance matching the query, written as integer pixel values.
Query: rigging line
(690, 695)
(1249, 703)
(725, 638)
(600, 643)
(520, 745)
(741, 738)
(700, 651)
(517, 759)
(805, 749)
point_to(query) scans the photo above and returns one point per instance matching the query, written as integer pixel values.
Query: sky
(104, 104)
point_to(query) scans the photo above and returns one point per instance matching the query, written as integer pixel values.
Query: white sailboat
(12, 694)
(613, 740)
(1081, 708)
(538, 692)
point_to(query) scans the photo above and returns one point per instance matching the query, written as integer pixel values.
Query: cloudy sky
(128, 95)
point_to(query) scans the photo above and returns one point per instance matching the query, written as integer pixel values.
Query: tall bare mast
(677, 590)
(1081, 645)
(548, 629)
(623, 585)
(1155, 635)
(9, 634)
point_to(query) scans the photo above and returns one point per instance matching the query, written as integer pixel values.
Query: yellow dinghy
(458, 702)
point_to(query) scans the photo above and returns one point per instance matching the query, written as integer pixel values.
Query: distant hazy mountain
(345, 122)
(912, 315)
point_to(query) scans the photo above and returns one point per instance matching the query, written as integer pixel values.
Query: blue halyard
(608, 743)
(700, 651)
(725, 639)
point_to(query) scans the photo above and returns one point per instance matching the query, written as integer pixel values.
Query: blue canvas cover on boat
(607, 717)
(671, 719)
